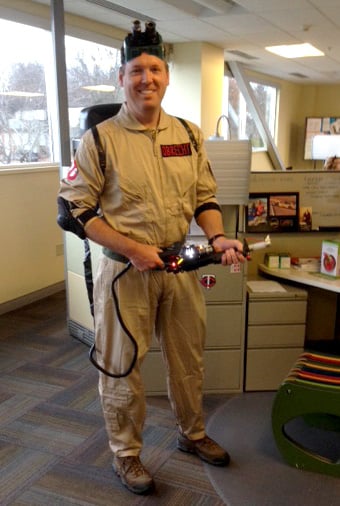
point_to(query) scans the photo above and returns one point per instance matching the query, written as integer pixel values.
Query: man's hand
(145, 257)
(233, 250)
(142, 256)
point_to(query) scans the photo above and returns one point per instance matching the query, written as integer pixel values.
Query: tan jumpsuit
(153, 183)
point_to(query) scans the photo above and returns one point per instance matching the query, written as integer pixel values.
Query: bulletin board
(319, 195)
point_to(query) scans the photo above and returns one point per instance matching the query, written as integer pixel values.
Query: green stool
(311, 391)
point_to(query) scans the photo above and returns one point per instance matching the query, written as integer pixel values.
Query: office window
(24, 120)
(27, 94)
(242, 124)
(92, 77)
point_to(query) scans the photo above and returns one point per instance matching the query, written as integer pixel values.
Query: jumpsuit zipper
(161, 179)
(153, 137)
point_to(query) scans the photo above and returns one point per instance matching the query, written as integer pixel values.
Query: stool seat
(311, 391)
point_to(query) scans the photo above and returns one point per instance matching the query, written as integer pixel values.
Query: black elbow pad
(66, 220)
(206, 207)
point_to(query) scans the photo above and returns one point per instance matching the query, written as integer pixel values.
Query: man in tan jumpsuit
(155, 183)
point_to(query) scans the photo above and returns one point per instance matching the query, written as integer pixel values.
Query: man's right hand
(146, 257)
(142, 256)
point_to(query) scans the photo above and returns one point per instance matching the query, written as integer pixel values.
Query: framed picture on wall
(272, 212)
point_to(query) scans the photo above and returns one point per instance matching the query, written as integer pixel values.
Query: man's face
(145, 80)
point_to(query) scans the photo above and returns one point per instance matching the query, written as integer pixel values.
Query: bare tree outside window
(92, 77)
(242, 124)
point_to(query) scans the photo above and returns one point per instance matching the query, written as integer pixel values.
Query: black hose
(126, 330)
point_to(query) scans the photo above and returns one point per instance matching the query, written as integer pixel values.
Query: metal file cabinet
(224, 349)
(276, 326)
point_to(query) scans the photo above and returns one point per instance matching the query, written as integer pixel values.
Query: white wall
(196, 84)
(31, 253)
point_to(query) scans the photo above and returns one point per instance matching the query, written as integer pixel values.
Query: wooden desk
(304, 278)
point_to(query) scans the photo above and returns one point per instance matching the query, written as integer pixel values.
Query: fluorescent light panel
(295, 50)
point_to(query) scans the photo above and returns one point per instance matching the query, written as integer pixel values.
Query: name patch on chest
(176, 150)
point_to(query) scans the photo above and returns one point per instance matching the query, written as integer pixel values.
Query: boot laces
(133, 465)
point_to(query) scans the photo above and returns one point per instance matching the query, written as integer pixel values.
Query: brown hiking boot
(206, 449)
(133, 474)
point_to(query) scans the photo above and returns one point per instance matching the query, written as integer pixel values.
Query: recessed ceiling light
(295, 50)
(99, 87)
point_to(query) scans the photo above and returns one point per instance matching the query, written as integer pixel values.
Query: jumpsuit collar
(127, 120)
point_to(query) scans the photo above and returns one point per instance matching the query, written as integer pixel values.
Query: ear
(121, 75)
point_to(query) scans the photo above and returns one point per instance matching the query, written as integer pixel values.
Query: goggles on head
(138, 42)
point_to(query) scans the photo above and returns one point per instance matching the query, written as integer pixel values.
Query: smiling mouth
(146, 92)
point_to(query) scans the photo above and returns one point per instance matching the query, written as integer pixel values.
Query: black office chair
(94, 114)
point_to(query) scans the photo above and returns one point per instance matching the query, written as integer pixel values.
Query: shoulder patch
(73, 172)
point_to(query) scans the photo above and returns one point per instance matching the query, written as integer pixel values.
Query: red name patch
(176, 150)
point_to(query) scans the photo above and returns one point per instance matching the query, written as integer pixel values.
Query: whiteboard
(318, 191)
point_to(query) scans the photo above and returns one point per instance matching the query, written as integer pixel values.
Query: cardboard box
(330, 260)
(284, 260)
(271, 260)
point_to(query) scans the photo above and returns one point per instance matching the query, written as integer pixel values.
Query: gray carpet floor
(257, 475)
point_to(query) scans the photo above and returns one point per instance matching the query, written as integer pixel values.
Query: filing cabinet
(276, 326)
(224, 348)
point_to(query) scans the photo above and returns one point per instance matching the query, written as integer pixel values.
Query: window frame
(243, 118)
